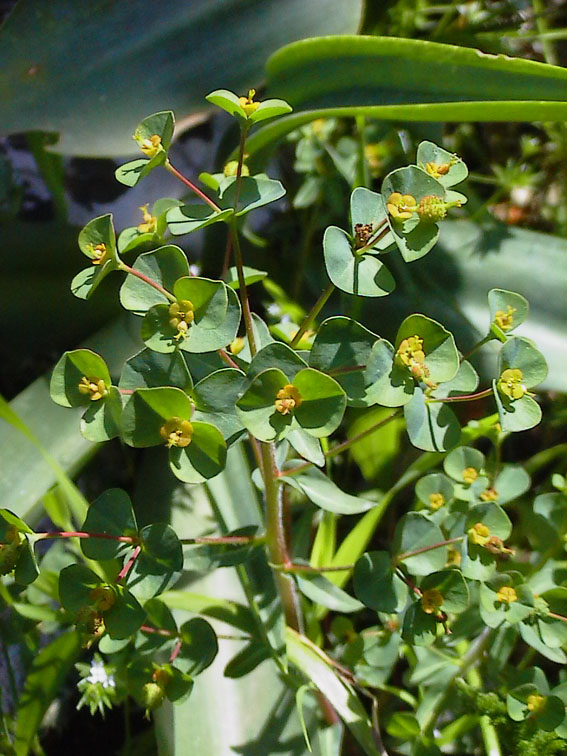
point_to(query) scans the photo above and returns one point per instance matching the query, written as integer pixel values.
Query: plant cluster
(451, 591)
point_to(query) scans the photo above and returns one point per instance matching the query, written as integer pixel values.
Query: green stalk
(487, 729)
(276, 540)
(315, 310)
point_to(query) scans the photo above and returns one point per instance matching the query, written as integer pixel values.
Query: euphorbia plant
(211, 374)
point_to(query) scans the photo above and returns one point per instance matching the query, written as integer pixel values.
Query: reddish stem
(222, 539)
(129, 564)
(226, 358)
(193, 187)
(158, 631)
(175, 652)
(146, 279)
(424, 549)
(310, 568)
(83, 534)
(463, 398)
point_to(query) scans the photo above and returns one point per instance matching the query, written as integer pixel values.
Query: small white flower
(98, 674)
(274, 309)
(194, 270)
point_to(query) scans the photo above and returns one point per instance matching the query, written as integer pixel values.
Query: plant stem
(382, 229)
(148, 280)
(477, 346)
(275, 537)
(242, 288)
(463, 398)
(192, 186)
(228, 250)
(487, 729)
(225, 357)
(309, 568)
(424, 549)
(83, 534)
(129, 564)
(345, 444)
(220, 540)
(315, 310)
(471, 657)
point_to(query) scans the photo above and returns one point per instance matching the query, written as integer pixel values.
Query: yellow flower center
(436, 500)
(431, 600)
(161, 676)
(99, 253)
(94, 388)
(151, 146)
(536, 703)
(453, 557)
(401, 206)
(288, 398)
(181, 315)
(410, 354)
(231, 168)
(437, 169)
(507, 595)
(490, 494)
(176, 432)
(150, 221)
(247, 103)
(511, 384)
(470, 474)
(237, 345)
(496, 546)
(103, 597)
(479, 534)
(505, 320)
(432, 209)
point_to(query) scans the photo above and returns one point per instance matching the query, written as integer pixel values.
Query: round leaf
(110, 514)
(204, 458)
(147, 410)
(362, 275)
(67, 375)
(323, 402)
(164, 266)
(377, 585)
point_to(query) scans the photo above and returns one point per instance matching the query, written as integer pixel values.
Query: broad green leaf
(256, 407)
(431, 426)
(110, 514)
(159, 563)
(325, 494)
(521, 353)
(148, 369)
(228, 101)
(362, 275)
(435, 490)
(68, 374)
(321, 591)
(215, 398)
(315, 667)
(389, 384)
(441, 356)
(189, 218)
(97, 241)
(270, 109)
(340, 344)
(246, 660)
(446, 168)
(323, 402)
(367, 208)
(517, 415)
(452, 587)
(255, 191)
(204, 458)
(377, 585)
(507, 309)
(307, 446)
(164, 266)
(199, 645)
(251, 276)
(414, 532)
(276, 355)
(419, 628)
(147, 410)
(101, 420)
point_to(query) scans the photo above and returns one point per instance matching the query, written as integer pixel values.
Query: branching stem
(193, 187)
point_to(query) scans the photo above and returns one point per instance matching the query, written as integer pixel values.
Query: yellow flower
(181, 315)
(99, 253)
(94, 388)
(511, 384)
(248, 104)
(431, 600)
(231, 169)
(176, 432)
(505, 320)
(151, 146)
(150, 221)
(288, 398)
(438, 169)
(536, 703)
(436, 500)
(489, 494)
(432, 209)
(103, 597)
(507, 595)
(479, 534)
(401, 206)
(470, 474)
(237, 345)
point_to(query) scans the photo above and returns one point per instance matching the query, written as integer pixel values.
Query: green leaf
(149, 369)
(147, 410)
(233, 613)
(228, 101)
(199, 645)
(47, 674)
(164, 266)
(389, 384)
(320, 590)
(362, 275)
(343, 343)
(279, 356)
(307, 446)
(419, 628)
(511, 482)
(251, 276)
(430, 157)
(452, 587)
(510, 304)
(204, 458)
(204, 557)
(414, 237)
(466, 462)
(26, 570)
(255, 191)
(441, 356)
(270, 109)
(367, 208)
(75, 584)
(431, 426)
(323, 402)
(67, 374)
(521, 353)
(125, 617)
(160, 124)
(256, 407)
(518, 414)
(189, 218)
(246, 660)
(433, 485)
(110, 514)
(215, 397)
(98, 231)
(464, 382)
(327, 495)
(101, 420)
(159, 563)
(377, 585)
(317, 668)
(8, 520)
(414, 531)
